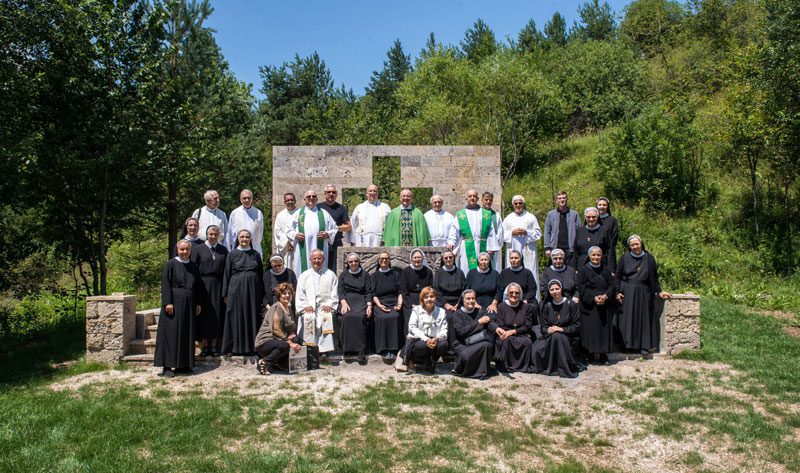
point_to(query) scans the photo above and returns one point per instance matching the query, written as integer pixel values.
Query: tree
(651, 26)
(479, 42)
(385, 82)
(529, 39)
(555, 31)
(597, 21)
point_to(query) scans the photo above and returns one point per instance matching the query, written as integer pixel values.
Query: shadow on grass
(44, 356)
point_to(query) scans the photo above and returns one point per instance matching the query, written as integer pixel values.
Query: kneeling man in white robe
(316, 301)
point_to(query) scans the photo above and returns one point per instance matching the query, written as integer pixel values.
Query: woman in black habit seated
(277, 274)
(210, 260)
(560, 324)
(610, 222)
(518, 274)
(473, 341)
(595, 285)
(413, 279)
(355, 309)
(558, 270)
(180, 304)
(387, 306)
(484, 280)
(637, 284)
(513, 327)
(278, 332)
(243, 289)
(589, 235)
(449, 282)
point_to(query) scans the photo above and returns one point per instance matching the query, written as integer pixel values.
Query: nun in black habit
(589, 235)
(473, 341)
(559, 270)
(637, 283)
(277, 274)
(243, 289)
(516, 273)
(595, 285)
(484, 280)
(559, 322)
(387, 309)
(449, 282)
(180, 304)
(514, 329)
(413, 279)
(610, 222)
(210, 260)
(355, 308)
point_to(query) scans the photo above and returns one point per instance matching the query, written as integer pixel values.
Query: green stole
(301, 227)
(466, 232)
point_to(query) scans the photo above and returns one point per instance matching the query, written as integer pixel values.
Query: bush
(38, 314)
(135, 266)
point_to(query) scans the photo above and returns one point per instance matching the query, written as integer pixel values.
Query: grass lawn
(734, 405)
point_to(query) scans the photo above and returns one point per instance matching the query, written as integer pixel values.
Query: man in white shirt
(368, 219)
(439, 222)
(246, 217)
(487, 199)
(210, 214)
(311, 228)
(472, 232)
(280, 242)
(316, 300)
(521, 230)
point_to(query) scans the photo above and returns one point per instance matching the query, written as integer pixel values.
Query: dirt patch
(777, 314)
(792, 331)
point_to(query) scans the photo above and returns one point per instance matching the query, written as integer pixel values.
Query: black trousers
(417, 350)
(274, 351)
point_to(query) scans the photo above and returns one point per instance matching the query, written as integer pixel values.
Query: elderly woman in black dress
(243, 290)
(637, 283)
(413, 279)
(449, 282)
(484, 280)
(278, 274)
(595, 285)
(559, 270)
(610, 222)
(559, 322)
(519, 274)
(210, 260)
(387, 306)
(180, 303)
(589, 235)
(473, 341)
(514, 329)
(355, 309)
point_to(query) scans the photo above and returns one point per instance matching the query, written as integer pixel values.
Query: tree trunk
(788, 226)
(754, 188)
(172, 215)
(101, 243)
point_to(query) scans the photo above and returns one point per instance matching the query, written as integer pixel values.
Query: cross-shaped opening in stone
(386, 175)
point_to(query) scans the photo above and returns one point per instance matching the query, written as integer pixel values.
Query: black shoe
(167, 373)
(184, 371)
(362, 360)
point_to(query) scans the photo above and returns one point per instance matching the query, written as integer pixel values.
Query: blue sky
(352, 36)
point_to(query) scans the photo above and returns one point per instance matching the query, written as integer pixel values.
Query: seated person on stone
(387, 312)
(473, 342)
(277, 334)
(559, 321)
(355, 309)
(514, 329)
(426, 340)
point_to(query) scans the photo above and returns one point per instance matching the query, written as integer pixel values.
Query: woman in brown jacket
(277, 333)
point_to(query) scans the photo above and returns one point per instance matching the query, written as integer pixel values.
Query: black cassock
(585, 239)
(388, 326)
(180, 286)
(357, 290)
(211, 263)
(448, 285)
(514, 353)
(472, 361)
(610, 222)
(271, 282)
(243, 286)
(523, 277)
(597, 326)
(637, 279)
(484, 285)
(412, 282)
(567, 277)
(554, 353)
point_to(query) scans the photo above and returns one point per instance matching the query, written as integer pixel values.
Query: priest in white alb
(311, 228)
(246, 217)
(316, 301)
(487, 199)
(439, 222)
(280, 242)
(521, 231)
(472, 233)
(368, 219)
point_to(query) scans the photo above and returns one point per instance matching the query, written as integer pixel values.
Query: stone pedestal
(110, 327)
(400, 256)
(680, 323)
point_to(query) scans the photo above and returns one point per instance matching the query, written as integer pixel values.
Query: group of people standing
(473, 310)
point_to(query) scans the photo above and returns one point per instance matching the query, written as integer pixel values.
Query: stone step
(141, 346)
(145, 318)
(151, 332)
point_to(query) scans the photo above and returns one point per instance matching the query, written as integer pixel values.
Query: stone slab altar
(400, 256)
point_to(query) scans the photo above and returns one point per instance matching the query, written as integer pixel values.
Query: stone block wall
(110, 327)
(400, 256)
(680, 323)
(449, 170)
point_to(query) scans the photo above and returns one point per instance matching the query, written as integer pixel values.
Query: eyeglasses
(353, 262)
(384, 259)
(311, 197)
(448, 257)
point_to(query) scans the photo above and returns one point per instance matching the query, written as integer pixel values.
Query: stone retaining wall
(680, 323)
(110, 327)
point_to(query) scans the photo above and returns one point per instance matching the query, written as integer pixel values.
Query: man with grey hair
(246, 217)
(472, 233)
(521, 232)
(368, 219)
(210, 214)
(439, 222)
(487, 199)
(316, 301)
(311, 228)
(280, 242)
